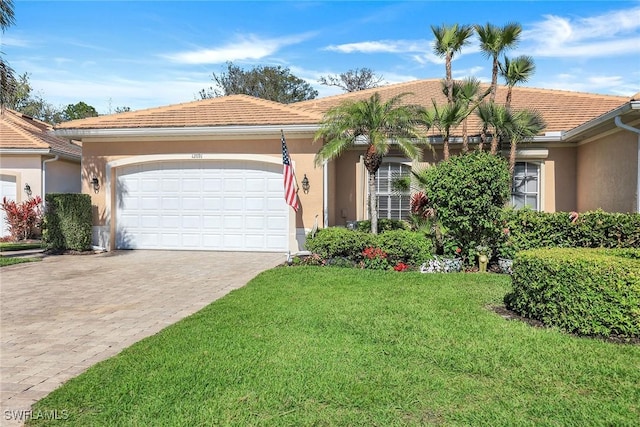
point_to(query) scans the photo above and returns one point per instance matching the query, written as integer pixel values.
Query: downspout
(44, 177)
(325, 195)
(621, 125)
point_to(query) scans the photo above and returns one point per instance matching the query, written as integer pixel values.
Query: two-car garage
(201, 204)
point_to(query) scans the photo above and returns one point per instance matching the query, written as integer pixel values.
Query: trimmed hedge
(583, 291)
(67, 222)
(529, 230)
(405, 246)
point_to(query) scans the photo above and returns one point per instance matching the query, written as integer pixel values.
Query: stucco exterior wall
(26, 169)
(559, 180)
(607, 172)
(62, 176)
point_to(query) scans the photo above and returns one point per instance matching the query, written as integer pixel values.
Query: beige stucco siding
(607, 173)
(26, 169)
(62, 176)
(559, 180)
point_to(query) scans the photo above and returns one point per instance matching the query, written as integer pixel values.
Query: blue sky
(151, 53)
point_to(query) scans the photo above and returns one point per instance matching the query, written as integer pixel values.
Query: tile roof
(18, 131)
(562, 110)
(233, 110)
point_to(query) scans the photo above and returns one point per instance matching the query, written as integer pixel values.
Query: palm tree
(467, 92)
(378, 124)
(7, 79)
(449, 40)
(497, 120)
(515, 71)
(445, 118)
(493, 42)
(525, 125)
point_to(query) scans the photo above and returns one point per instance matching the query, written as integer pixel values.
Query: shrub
(67, 222)
(384, 224)
(527, 229)
(24, 218)
(468, 193)
(583, 291)
(404, 246)
(337, 242)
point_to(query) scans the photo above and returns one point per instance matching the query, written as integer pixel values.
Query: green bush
(384, 224)
(468, 193)
(583, 291)
(67, 222)
(338, 242)
(529, 229)
(405, 246)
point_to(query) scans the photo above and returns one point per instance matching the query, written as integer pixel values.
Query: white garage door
(8, 190)
(202, 205)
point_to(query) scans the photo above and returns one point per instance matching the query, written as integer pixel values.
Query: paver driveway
(66, 313)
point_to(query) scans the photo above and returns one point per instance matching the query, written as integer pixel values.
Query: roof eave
(191, 131)
(575, 133)
(41, 152)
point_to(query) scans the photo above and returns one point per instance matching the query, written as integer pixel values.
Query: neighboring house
(208, 174)
(33, 161)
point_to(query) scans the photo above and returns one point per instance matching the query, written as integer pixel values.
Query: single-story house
(207, 175)
(33, 161)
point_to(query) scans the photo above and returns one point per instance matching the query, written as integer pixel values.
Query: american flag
(290, 195)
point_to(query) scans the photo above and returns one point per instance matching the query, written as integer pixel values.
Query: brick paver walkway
(63, 314)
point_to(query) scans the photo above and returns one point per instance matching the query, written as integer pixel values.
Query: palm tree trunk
(494, 79)
(445, 147)
(494, 143)
(465, 137)
(449, 80)
(512, 162)
(373, 203)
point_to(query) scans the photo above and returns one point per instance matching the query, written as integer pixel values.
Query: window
(526, 186)
(392, 203)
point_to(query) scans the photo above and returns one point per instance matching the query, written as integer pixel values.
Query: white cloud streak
(611, 34)
(382, 46)
(249, 47)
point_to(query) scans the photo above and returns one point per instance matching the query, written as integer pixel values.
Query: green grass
(4, 261)
(335, 347)
(12, 246)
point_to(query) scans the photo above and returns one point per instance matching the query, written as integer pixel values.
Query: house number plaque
(196, 156)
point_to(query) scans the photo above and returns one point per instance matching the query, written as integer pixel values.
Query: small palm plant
(376, 123)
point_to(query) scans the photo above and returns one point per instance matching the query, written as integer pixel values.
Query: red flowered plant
(23, 218)
(401, 266)
(374, 258)
(420, 205)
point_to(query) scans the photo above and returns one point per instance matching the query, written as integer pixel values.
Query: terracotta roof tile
(18, 131)
(562, 110)
(234, 110)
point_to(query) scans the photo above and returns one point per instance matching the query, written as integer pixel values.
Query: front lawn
(4, 261)
(331, 346)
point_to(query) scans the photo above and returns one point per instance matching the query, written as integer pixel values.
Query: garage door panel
(208, 205)
(8, 189)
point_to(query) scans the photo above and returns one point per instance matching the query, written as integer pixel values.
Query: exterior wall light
(96, 184)
(27, 190)
(305, 184)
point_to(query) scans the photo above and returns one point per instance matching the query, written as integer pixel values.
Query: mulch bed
(507, 314)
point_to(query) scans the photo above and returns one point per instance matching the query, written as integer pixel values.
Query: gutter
(621, 125)
(44, 171)
(201, 131)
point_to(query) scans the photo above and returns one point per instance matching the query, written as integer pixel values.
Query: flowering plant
(374, 258)
(401, 266)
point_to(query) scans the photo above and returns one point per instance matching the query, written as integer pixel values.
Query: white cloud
(249, 47)
(14, 41)
(610, 34)
(382, 46)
